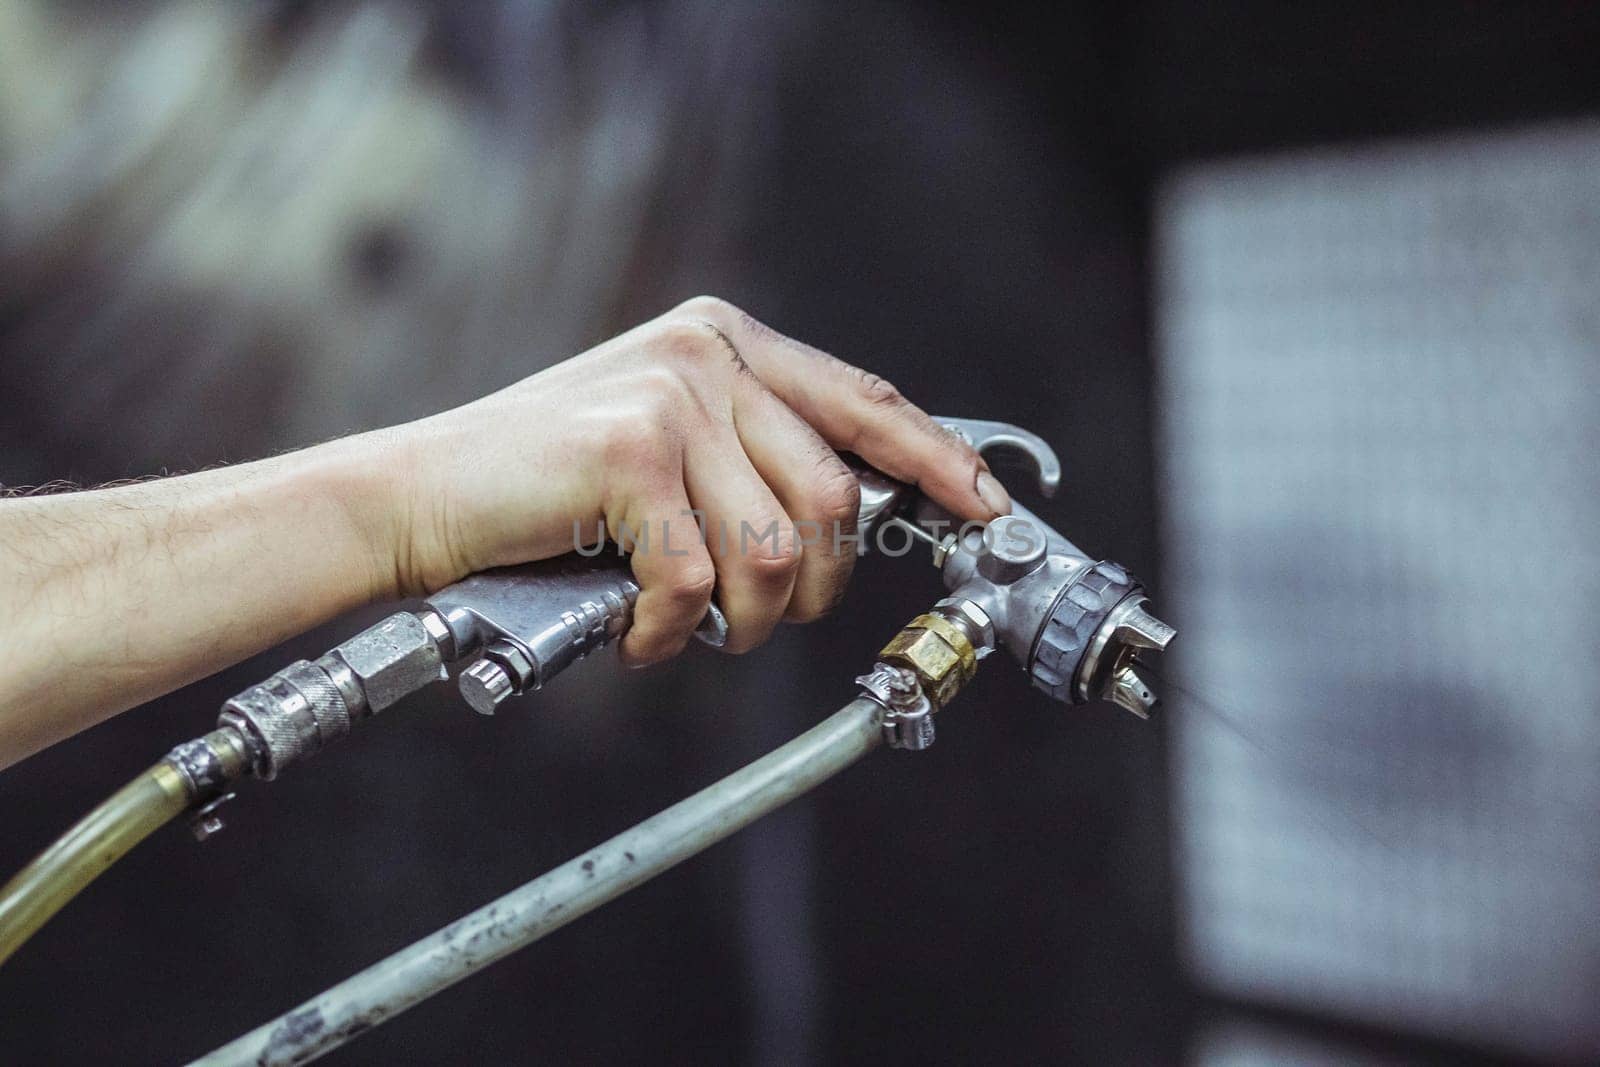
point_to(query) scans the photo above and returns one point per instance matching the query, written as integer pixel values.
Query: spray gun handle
(526, 624)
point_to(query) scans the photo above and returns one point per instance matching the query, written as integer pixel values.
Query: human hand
(700, 420)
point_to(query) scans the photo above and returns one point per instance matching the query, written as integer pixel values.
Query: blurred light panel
(1380, 391)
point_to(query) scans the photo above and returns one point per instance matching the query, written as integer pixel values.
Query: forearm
(703, 415)
(118, 595)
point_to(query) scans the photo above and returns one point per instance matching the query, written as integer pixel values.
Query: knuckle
(878, 390)
(772, 565)
(687, 341)
(636, 442)
(711, 308)
(838, 502)
(624, 448)
(663, 393)
(837, 496)
(695, 349)
(692, 586)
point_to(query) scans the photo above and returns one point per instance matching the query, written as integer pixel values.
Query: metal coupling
(924, 666)
(299, 710)
(941, 648)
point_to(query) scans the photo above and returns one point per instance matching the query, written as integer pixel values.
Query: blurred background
(1307, 296)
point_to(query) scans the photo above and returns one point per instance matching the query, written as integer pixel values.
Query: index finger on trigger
(857, 411)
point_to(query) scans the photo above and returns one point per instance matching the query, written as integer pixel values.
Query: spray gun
(1075, 624)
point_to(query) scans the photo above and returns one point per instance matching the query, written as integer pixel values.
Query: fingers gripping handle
(515, 628)
(528, 623)
(523, 625)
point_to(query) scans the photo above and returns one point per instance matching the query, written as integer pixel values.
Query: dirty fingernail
(993, 494)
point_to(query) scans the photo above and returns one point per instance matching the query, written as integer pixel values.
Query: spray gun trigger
(988, 436)
(882, 497)
(713, 629)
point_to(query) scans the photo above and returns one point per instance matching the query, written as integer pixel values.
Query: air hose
(289, 717)
(917, 672)
(84, 852)
(192, 774)
(1076, 625)
(550, 902)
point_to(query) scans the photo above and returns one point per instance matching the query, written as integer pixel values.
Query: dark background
(956, 198)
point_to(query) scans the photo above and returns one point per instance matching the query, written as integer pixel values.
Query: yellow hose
(101, 838)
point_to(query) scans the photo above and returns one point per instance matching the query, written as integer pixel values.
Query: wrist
(400, 482)
(366, 483)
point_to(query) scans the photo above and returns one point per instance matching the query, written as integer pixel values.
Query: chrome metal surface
(1071, 621)
(972, 619)
(882, 497)
(393, 659)
(1107, 670)
(988, 436)
(484, 685)
(551, 614)
(1012, 547)
(299, 710)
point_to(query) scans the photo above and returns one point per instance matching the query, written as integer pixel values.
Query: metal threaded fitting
(938, 652)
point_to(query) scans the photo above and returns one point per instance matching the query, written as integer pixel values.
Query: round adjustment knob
(1012, 547)
(484, 685)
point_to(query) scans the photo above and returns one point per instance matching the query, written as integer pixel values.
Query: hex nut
(938, 652)
(524, 673)
(393, 659)
(439, 630)
(967, 614)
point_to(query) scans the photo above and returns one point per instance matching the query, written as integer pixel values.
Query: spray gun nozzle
(1109, 668)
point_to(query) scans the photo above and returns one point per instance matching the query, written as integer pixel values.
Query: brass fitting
(938, 652)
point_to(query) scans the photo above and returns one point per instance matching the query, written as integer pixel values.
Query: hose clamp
(202, 772)
(907, 717)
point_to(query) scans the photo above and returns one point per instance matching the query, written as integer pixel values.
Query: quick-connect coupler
(516, 628)
(309, 704)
